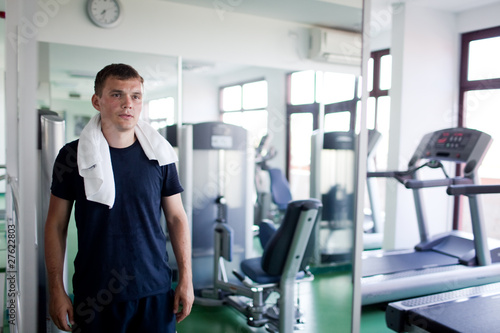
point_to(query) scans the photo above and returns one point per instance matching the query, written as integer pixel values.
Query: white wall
(423, 99)
(477, 19)
(199, 98)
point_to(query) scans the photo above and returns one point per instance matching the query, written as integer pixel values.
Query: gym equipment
(473, 309)
(51, 138)
(272, 188)
(374, 221)
(282, 265)
(216, 161)
(332, 181)
(444, 262)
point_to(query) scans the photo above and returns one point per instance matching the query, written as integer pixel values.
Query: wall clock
(104, 13)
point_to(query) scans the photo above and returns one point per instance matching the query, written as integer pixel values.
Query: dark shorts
(149, 314)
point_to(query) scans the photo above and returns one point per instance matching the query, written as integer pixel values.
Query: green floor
(325, 302)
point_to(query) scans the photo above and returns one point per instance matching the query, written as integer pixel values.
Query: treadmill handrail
(400, 176)
(417, 183)
(472, 189)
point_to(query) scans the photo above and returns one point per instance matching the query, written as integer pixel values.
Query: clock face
(104, 13)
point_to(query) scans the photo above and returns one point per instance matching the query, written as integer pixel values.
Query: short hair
(119, 71)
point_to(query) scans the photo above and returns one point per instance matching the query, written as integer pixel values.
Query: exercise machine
(282, 265)
(272, 187)
(473, 309)
(215, 161)
(443, 262)
(332, 182)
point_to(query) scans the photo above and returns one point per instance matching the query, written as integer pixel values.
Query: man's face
(120, 104)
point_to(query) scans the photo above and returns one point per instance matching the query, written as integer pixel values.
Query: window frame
(465, 86)
(242, 83)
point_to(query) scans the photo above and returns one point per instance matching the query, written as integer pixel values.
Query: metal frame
(256, 311)
(21, 130)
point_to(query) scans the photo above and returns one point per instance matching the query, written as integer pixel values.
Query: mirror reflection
(282, 95)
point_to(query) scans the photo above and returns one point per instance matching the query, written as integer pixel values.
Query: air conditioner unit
(335, 46)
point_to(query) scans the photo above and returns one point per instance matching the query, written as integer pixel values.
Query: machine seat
(280, 189)
(253, 269)
(269, 267)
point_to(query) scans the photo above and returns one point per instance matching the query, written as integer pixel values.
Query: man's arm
(56, 230)
(178, 229)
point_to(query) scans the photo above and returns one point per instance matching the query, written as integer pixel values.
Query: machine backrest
(280, 188)
(276, 252)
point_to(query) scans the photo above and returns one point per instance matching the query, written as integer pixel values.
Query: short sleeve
(171, 183)
(65, 172)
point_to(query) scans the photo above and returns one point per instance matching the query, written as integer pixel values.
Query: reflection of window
(483, 59)
(161, 112)
(379, 102)
(340, 93)
(307, 89)
(245, 105)
(479, 101)
(480, 91)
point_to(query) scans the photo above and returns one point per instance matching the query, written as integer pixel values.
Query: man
(122, 282)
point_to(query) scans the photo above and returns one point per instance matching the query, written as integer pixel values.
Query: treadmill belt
(401, 262)
(478, 314)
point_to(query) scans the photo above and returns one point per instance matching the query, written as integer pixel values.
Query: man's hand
(183, 300)
(61, 311)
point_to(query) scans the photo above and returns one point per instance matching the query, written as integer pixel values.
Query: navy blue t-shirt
(121, 251)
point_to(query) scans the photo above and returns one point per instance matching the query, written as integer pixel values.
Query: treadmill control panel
(453, 144)
(457, 140)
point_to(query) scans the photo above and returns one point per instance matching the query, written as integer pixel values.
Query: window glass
(301, 127)
(369, 75)
(383, 125)
(161, 112)
(338, 121)
(255, 122)
(385, 72)
(302, 88)
(231, 98)
(484, 55)
(370, 113)
(360, 86)
(249, 96)
(338, 87)
(255, 95)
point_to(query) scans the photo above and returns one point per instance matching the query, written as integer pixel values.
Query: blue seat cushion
(253, 269)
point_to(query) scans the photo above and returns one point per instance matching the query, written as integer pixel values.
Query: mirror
(233, 43)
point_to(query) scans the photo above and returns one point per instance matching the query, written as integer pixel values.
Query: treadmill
(444, 262)
(473, 309)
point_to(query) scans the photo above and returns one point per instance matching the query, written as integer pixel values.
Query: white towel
(94, 160)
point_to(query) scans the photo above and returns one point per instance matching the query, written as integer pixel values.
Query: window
(307, 89)
(161, 112)
(479, 102)
(379, 102)
(245, 105)
(340, 93)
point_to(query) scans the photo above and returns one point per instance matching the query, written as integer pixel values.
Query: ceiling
(340, 14)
